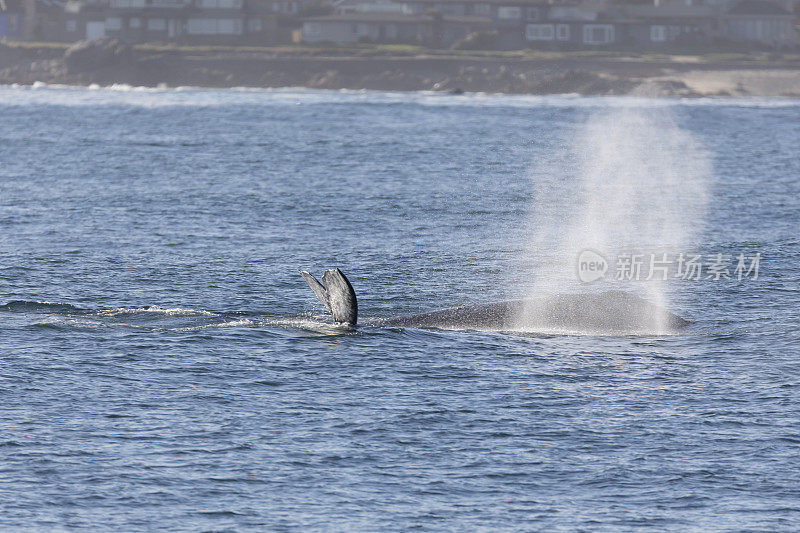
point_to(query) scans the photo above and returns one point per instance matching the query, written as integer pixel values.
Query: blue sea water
(164, 366)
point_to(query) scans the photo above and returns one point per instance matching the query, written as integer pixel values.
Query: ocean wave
(154, 309)
(238, 323)
(186, 96)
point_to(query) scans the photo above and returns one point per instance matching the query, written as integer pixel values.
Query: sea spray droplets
(633, 181)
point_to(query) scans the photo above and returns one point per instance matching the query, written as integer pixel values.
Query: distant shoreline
(411, 70)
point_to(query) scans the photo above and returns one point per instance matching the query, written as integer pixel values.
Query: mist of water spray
(633, 181)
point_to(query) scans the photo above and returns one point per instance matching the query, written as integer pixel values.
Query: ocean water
(165, 367)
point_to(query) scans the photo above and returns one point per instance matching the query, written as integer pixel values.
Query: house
(430, 30)
(667, 24)
(670, 25)
(157, 20)
(508, 17)
(11, 19)
(195, 22)
(81, 20)
(760, 22)
(369, 27)
(574, 27)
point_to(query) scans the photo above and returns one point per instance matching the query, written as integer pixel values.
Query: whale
(608, 312)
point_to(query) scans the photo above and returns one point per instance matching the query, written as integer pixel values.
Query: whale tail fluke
(336, 293)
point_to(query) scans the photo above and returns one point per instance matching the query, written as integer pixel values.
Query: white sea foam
(123, 94)
(238, 323)
(173, 311)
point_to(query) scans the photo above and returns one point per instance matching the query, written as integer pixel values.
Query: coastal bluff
(107, 62)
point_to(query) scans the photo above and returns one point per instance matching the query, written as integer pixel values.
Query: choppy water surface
(165, 367)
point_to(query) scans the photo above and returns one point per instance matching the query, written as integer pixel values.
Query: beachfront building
(375, 27)
(566, 27)
(671, 25)
(508, 17)
(442, 22)
(684, 25)
(11, 18)
(635, 27)
(760, 22)
(557, 24)
(667, 24)
(231, 22)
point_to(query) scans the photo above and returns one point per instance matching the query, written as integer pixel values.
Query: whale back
(610, 312)
(615, 312)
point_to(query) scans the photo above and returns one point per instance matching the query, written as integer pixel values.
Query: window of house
(391, 31)
(362, 29)
(311, 28)
(658, 34)
(539, 32)
(113, 23)
(254, 25)
(127, 4)
(533, 13)
(598, 33)
(226, 26)
(229, 26)
(135, 22)
(450, 9)
(72, 26)
(209, 26)
(156, 24)
(483, 10)
(219, 4)
(509, 13)
(200, 26)
(562, 32)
